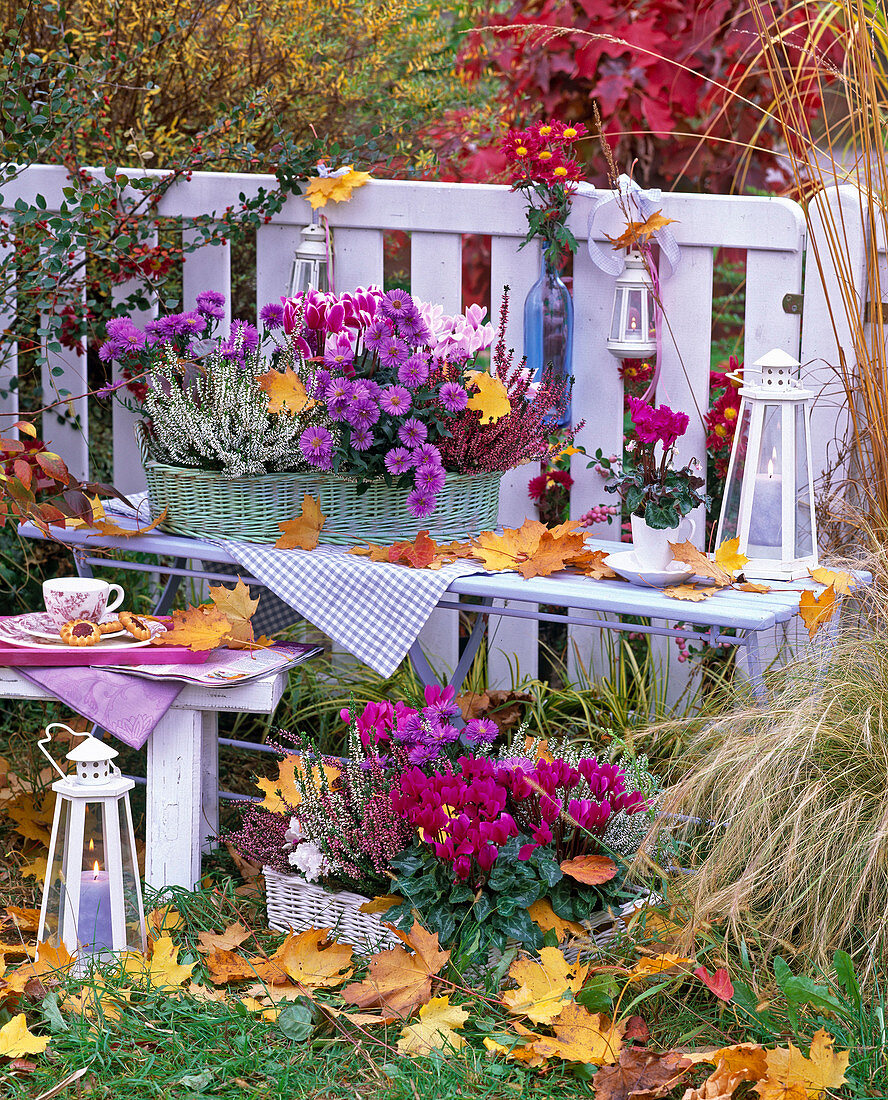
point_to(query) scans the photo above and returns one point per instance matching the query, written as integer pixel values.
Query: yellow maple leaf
(533, 550)
(436, 1029)
(285, 791)
(107, 527)
(729, 557)
(26, 920)
(16, 1041)
(303, 530)
(790, 1069)
(313, 961)
(659, 964)
(841, 582)
(817, 611)
(491, 400)
(398, 981)
(233, 936)
(543, 915)
(35, 868)
(199, 628)
(97, 999)
(162, 970)
(237, 607)
(691, 592)
(285, 391)
(543, 986)
(381, 904)
(583, 1036)
(322, 189)
(687, 553)
(640, 232)
(164, 919)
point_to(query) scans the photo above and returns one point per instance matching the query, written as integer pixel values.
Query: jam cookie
(80, 632)
(132, 624)
(110, 627)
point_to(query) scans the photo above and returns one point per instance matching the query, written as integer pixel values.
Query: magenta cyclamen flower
(660, 425)
(430, 478)
(398, 461)
(317, 446)
(413, 432)
(453, 397)
(396, 400)
(421, 503)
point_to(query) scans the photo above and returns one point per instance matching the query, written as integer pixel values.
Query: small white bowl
(626, 564)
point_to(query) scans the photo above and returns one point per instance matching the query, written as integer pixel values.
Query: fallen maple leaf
(728, 556)
(543, 915)
(658, 964)
(237, 607)
(32, 819)
(225, 965)
(787, 1069)
(436, 1028)
(380, 904)
(543, 986)
(517, 1050)
(312, 960)
(26, 920)
(751, 586)
(720, 1085)
(492, 398)
(164, 919)
(637, 233)
(689, 592)
(841, 582)
(16, 1040)
(744, 1059)
(719, 982)
(687, 553)
(582, 1036)
(642, 1073)
(397, 980)
(531, 549)
(592, 564)
(591, 870)
(95, 999)
(303, 530)
(817, 611)
(233, 936)
(422, 553)
(285, 391)
(107, 527)
(323, 189)
(198, 628)
(162, 970)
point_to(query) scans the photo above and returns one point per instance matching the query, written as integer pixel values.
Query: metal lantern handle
(48, 738)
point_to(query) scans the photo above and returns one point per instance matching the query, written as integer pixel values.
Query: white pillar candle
(94, 922)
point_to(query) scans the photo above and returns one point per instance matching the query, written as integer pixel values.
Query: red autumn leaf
(719, 982)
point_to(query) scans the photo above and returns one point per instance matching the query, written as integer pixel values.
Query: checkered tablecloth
(373, 609)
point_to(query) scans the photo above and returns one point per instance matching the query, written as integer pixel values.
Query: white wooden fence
(771, 232)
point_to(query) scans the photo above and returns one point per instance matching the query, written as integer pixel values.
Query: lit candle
(633, 319)
(766, 521)
(94, 923)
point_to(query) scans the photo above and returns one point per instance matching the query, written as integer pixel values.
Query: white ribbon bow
(645, 202)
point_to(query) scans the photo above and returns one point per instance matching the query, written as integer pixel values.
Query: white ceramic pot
(651, 546)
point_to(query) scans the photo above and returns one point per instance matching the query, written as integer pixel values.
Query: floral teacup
(69, 598)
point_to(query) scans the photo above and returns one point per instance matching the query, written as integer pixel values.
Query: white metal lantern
(769, 495)
(309, 270)
(92, 900)
(632, 331)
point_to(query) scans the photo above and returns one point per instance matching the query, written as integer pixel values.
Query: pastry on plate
(140, 629)
(80, 632)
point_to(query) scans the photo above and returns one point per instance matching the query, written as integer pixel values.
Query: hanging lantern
(92, 901)
(769, 493)
(309, 270)
(632, 331)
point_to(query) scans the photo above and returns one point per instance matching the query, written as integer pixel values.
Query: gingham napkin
(373, 609)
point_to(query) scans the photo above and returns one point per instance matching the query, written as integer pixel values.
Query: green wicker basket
(204, 504)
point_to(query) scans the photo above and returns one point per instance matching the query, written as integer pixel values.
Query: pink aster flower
(398, 461)
(396, 400)
(413, 432)
(421, 503)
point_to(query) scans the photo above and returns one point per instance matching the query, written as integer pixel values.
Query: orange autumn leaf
(637, 233)
(591, 870)
(811, 1077)
(840, 581)
(422, 553)
(543, 915)
(659, 964)
(227, 966)
(689, 592)
(198, 628)
(752, 586)
(237, 607)
(583, 1036)
(108, 527)
(533, 550)
(302, 531)
(381, 904)
(324, 189)
(285, 391)
(817, 611)
(312, 960)
(592, 564)
(26, 920)
(492, 398)
(283, 794)
(399, 981)
(229, 940)
(688, 554)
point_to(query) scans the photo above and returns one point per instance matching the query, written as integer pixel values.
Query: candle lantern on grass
(633, 334)
(92, 901)
(769, 494)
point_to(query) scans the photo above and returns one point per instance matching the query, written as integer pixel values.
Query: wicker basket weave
(295, 905)
(204, 504)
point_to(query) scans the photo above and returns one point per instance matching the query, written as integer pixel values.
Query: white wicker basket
(294, 905)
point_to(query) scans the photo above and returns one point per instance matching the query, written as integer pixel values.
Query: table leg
(173, 840)
(754, 665)
(170, 588)
(479, 630)
(209, 758)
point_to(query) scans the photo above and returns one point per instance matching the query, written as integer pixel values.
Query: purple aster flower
(415, 372)
(395, 304)
(165, 327)
(211, 304)
(361, 439)
(272, 315)
(396, 400)
(339, 353)
(366, 387)
(378, 330)
(364, 416)
(192, 323)
(398, 461)
(430, 478)
(107, 351)
(317, 446)
(426, 454)
(421, 503)
(109, 387)
(319, 383)
(392, 352)
(483, 731)
(413, 432)
(250, 335)
(338, 394)
(453, 397)
(412, 327)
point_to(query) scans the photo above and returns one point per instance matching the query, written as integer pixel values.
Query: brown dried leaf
(109, 527)
(199, 628)
(398, 980)
(687, 553)
(229, 940)
(302, 531)
(641, 1074)
(637, 233)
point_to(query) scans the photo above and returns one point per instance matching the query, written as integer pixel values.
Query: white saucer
(14, 634)
(39, 624)
(627, 565)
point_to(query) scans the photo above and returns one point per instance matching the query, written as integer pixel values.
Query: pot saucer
(627, 565)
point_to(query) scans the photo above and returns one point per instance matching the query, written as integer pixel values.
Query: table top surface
(728, 608)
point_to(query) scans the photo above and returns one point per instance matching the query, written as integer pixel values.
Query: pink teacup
(69, 598)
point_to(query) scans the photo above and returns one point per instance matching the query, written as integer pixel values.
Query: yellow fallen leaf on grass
(26, 920)
(233, 936)
(435, 1029)
(659, 964)
(544, 986)
(492, 398)
(302, 531)
(163, 970)
(790, 1069)
(582, 1036)
(164, 919)
(16, 1040)
(95, 999)
(313, 961)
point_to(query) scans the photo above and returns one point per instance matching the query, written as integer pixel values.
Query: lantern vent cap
(91, 748)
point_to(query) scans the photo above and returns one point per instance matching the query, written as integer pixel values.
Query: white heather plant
(216, 416)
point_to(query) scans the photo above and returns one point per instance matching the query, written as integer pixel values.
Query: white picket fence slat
(771, 232)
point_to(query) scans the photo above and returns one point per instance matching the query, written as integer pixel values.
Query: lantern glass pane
(730, 528)
(55, 877)
(766, 511)
(94, 919)
(132, 913)
(635, 319)
(308, 274)
(804, 545)
(652, 331)
(616, 329)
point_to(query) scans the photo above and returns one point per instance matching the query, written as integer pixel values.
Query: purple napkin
(127, 706)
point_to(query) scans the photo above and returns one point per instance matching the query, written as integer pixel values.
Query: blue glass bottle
(548, 328)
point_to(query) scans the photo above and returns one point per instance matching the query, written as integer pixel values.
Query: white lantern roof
(775, 376)
(91, 748)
